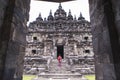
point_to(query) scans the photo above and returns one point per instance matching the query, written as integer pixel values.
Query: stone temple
(61, 34)
(105, 24)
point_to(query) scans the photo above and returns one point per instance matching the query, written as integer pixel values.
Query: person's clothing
(59, 60)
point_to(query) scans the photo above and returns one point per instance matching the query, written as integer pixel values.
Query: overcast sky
(44, 7)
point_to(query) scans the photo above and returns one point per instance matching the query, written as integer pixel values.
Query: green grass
(90, 77)
(28, 77)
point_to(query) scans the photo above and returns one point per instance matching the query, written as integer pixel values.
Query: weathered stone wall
(3, 4)
(116, 36)
(22, 17)
(12, 38)
(7, 12)
(105, 21)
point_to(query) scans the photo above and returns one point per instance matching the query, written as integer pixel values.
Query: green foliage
(28, 77)
(90, 77)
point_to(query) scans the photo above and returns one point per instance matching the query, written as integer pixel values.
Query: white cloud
(43, 7)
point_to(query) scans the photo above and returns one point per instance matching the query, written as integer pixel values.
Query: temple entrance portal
(60, 50)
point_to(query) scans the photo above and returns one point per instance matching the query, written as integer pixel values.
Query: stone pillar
(115, 35)
(12, 38)
(105, 38)
(7, 9)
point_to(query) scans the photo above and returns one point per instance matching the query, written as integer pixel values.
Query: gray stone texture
(13, 22)
(116, 38)
(4, 32)
(104, 15)
(3, 4)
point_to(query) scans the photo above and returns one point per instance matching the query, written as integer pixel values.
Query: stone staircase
(59, 69)
(56, 72)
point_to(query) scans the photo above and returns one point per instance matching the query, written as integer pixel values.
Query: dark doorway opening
(60, 51)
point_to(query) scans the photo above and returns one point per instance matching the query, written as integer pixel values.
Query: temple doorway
(60, 51)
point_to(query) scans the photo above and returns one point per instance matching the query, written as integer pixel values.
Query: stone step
(60, 75)
(56, 68)
(62, 67)
(52, 76)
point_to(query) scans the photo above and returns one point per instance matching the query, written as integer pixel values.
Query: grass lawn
(28, 77)
(90, 77)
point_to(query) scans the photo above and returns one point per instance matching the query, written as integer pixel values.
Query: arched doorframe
(105, 29)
